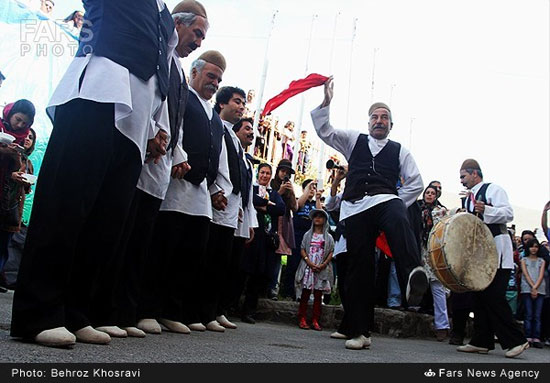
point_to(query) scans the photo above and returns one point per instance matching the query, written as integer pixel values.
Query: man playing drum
(492, 314)
(371, 202)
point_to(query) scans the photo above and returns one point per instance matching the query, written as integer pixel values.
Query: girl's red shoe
(315, 325)
(303, 324)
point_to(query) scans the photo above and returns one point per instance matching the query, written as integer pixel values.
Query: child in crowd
(315, 269)
(533, 289)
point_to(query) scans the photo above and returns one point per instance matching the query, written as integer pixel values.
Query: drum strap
(496, 228)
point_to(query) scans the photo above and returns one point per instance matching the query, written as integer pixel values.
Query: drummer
(492, 314)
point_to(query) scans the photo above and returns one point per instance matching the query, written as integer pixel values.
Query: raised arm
(341, 140)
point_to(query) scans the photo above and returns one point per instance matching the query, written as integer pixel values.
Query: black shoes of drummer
(416, 286)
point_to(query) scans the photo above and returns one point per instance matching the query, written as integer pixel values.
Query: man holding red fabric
(371, 202)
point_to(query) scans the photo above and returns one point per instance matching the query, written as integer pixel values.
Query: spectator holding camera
(285, 227)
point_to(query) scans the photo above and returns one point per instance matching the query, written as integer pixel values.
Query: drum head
(470, 251)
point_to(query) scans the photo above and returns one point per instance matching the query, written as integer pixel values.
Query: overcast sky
(465, 78)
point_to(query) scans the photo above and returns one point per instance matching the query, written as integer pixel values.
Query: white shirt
(230, 216)
(332, 203)
(500, 212)
(184, 197)
(250, 219)
(344, 141)
(155, 178)
(341, 246)
(138, 112)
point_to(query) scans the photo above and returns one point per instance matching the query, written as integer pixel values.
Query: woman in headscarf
(74, 22)
(424, 214)
(259, 254)
(17, 120)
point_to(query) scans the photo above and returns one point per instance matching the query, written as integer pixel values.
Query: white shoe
(174, 326)
(113, 331)
(150, 326)
(214, 326)
(472, 349)
(197, 327)
(135, 332)
(516, 351)
(358, 343)
(89, 334)
(338, 335)
(416, 286)
(56, 337)
(225, 322)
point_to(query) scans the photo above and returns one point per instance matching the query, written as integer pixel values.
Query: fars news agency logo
(42, 38)
(430, 373)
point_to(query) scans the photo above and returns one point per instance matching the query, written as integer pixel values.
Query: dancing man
(371, 203)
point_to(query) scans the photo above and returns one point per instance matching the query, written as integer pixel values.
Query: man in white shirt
(371, 203)
(107, 113)
(230, 282)
(492, 313)
(230, 104)
(191, 26)
(183, 223)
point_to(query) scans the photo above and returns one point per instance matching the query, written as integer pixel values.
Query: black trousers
(462, 304)
(136, 262)
(215, 270)
(493, 315)
(361, 232)
(179, 245)
(292, 261)
(342, 268)
(82, 200)
(545, 319)
(233, 279)
(255, 284)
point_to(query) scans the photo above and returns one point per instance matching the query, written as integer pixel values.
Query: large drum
(462, 253)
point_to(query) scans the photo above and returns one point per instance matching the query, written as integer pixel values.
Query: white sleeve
(179, 154)
(333, 203)
(160, 121)
(413, 185)
(501, 211)
(341, 140)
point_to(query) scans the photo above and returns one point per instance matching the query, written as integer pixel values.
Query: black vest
(177, 99)
(370, 175)
(233, 162)
(495, 228)
(246, 181)
(132, 34)
(202, 141)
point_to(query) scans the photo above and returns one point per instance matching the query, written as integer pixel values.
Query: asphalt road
(262, 342)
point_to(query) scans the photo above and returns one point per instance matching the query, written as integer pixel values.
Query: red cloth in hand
(295, 87)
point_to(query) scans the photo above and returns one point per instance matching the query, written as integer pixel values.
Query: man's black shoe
(456, 340)
(248, 319)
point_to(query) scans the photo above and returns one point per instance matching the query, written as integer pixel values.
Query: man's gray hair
(198, 64)
(186, 18)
